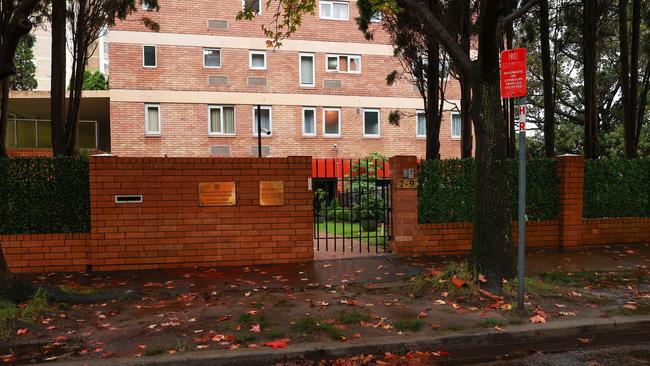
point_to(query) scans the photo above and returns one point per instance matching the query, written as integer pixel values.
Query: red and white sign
(513, 73)
(522, 118)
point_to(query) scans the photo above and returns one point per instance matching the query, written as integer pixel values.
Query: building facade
(194, 87)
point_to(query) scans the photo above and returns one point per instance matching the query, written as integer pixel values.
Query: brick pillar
(571, 173)
(405, 207)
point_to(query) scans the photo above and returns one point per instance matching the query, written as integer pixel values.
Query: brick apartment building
(192, 88)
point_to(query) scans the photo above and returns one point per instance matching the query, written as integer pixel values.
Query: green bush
(44, 195)
(617, 188)
(446, 190)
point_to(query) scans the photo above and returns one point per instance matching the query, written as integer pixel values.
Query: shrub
(44, 195)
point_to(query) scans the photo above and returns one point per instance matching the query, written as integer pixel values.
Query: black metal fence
(352, 205)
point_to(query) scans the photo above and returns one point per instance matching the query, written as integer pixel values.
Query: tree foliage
(25, 77)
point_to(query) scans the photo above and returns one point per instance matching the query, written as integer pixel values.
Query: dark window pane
(149, 56)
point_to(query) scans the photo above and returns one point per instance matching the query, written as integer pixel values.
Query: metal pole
(522, 204)
(259, 131)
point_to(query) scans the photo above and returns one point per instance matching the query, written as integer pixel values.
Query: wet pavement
(383, 268)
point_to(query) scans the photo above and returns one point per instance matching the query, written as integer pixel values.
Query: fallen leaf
(255, 328)
(498, 328)
(440, 302)
(423, 314)
(630, 306)
(280, 343)
(482, 278)
(22, 331)
(457, 282)
(537, 319)
(585, 340)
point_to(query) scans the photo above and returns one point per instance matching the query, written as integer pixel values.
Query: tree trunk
(591, 14)
(6, 277)
(634, 74)
(58, 82)
(465, 87)
(4, 116)
(432, 114)
(492, 249)
(549, 99)
(624, 79)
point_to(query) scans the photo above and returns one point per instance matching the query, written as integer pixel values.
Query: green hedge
(446, 190)
(44, 195)
(617, 188)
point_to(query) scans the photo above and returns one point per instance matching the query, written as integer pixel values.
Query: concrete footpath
(465, 346)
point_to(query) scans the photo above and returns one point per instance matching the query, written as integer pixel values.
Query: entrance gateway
(352, 207)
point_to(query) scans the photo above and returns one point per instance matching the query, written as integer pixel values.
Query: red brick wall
(26, 152)
(46, 252)
(184, 133)
(569, 231)
(169, 229)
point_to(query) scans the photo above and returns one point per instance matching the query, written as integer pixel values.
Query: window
(149, 56)
(146, 6)
(309, 121)
(371, 123)
(335, 10)
(376, 17)
(257, 60)
(152, 119)
(221, 120)
(343, 63)
(211, 57)
(253, 5)
(456, 123)
(307, 69)
(443, 67)
(332, 122)
(420, 125)
(266, 121)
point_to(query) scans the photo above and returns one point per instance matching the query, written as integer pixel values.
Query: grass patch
(413, 325)
(534, 287)
(490, 323)
(247, 320)
(153, 351)
(353, 230)
(8, 312)
(36, 306)
(442, 281)
(310, 326)
(274, 334)
(245, 337)
(78, 290)
(353, 317)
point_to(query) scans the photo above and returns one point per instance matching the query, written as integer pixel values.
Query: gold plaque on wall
(217, 194)
(271, 193)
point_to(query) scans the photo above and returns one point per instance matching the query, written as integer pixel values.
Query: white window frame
(338, 63)
(363, 119)
(146, 120)
(325, 134)
(303, 121)
(270, 109)
(313, 69)
(419, 111)
(203, 55)
(451, 126)
(146, 7)
(250, 59)
(220, 108)
(331, 5)
(155, 53)
(243, 6)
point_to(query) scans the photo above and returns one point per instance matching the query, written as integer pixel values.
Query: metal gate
(352, 205)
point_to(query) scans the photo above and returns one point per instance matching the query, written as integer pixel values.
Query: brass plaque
(217, 194)
(406, 183)
(271, 193)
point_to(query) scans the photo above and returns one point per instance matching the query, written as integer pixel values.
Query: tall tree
(25, 77)
(17, 17)
(421, 63)
(58, 76)
(548, 81)
(88, 20)
(465, 87)
(592, 12)
(629, 75)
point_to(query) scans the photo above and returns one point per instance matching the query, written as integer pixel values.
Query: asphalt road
(628, 355)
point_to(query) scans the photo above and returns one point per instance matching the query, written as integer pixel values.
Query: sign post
(513, 85)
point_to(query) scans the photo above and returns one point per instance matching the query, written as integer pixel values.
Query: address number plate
(406, 184)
